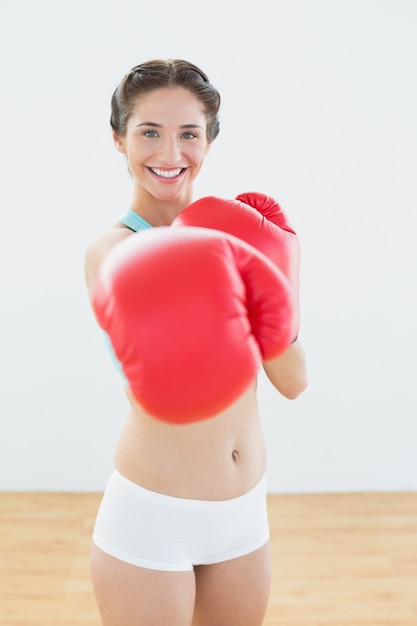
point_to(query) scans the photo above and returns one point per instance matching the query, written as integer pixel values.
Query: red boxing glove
(286, 253)
(267, 229)
(191, 314)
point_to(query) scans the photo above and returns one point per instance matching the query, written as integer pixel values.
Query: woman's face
(165, 142)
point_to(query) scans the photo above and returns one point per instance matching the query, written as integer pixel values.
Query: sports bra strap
(133, 221)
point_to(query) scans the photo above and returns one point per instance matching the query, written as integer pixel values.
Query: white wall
(319, 110)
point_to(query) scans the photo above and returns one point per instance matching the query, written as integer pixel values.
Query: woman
(200, 476)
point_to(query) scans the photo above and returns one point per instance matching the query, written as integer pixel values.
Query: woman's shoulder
(100, 247)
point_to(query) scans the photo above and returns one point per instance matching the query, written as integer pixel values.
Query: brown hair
(160, 73)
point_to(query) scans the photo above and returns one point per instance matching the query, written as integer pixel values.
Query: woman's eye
(189, 135)
(150, 133)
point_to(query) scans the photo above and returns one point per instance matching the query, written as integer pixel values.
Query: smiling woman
(190, 312)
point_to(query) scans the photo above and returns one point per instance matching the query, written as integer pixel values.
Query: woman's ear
(118, 142)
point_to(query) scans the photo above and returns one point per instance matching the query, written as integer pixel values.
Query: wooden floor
(338, 560)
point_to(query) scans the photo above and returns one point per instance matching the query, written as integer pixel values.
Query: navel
(235, 455)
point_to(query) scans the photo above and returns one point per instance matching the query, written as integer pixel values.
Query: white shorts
(160, 532)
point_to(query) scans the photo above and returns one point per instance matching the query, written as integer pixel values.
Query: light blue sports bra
(135, 222)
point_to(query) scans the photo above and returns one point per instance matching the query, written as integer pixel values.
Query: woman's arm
(98, 249)
(288, 372)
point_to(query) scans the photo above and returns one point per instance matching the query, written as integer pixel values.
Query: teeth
(166, 173)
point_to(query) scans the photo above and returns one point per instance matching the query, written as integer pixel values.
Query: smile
(173, 173)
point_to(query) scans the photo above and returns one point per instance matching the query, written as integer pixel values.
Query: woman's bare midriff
(216, 459)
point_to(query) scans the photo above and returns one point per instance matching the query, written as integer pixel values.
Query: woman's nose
(170, 152)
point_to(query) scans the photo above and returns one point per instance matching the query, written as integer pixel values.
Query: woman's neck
(156, 211)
